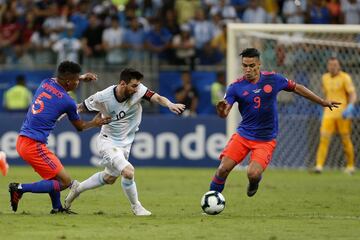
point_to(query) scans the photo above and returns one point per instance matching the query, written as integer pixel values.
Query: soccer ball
(212, 202)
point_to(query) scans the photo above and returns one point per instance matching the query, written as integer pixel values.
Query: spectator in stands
(271, 8)
(24, 59)
(171, 22)
(92, 42)
(209, 55)
(18, 97)
(240, 6)
(79, 18)
(42, 10)
(10, 31)
(134, 39)
(67, 47)
(184, 47)
(186, 10)
(130, 14)
(220, 40)
(41, 44)
(337, 85)
(54, 22)
(294, 11)
(318, 13)
(187, 95)
(202, 29)
(112, 38)
(218, 88)
(350, 11)
(255, 13)
(150, 8)
(158, 40)
(225, 10)
(335, 11)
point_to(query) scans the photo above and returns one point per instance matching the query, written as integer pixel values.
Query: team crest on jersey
(257, 90)
(245, 93)
(267, 88)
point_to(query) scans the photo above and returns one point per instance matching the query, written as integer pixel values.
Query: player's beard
(127, 94)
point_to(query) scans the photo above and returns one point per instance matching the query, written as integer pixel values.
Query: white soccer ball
(212, 202)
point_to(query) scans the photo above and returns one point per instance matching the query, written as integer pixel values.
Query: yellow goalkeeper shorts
(335, 125)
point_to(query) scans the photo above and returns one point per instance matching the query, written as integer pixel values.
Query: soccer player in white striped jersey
(122, 103)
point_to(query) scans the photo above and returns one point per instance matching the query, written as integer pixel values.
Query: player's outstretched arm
(223, 108)
(176, 108)
(307, 93)
(88, 77)
(97, 121)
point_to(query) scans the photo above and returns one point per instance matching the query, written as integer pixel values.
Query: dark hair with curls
(128, 74)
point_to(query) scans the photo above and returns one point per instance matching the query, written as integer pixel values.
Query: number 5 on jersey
(38, 105)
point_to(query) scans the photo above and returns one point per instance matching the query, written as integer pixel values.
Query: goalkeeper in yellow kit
(337, 85)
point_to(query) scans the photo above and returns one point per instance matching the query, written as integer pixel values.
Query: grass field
(289, 205)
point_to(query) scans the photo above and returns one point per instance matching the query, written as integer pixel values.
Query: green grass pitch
(290, 204)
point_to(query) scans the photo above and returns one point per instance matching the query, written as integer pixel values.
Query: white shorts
(114, 158)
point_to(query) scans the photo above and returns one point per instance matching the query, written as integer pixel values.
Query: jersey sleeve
(230, 96)
(94, 102)
(285, 84)
(142, 90)
(72, 111)
(349, 86)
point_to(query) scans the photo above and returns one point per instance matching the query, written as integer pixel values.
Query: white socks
(129, 187)
(92, 182)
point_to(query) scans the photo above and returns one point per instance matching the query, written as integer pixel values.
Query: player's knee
(128, 172)
(109, 179)
(254, 173)
(65, 183)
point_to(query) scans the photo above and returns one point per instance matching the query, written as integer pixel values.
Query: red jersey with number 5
(49, 103)
(257, 104)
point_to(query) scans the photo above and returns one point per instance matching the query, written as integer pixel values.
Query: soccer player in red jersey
(255, 94)
(50, 101)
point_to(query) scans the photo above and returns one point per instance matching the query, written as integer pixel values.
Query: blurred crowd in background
(182, 32)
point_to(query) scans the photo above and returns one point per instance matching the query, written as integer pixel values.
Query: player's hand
(221, 107)
(331, 104)
(177, 108)
(348, 112)
(99, 121)
(88, 77)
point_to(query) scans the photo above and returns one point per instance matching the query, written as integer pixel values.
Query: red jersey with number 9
(49, 103)
(257, 104)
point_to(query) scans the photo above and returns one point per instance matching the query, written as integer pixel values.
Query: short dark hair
(20, 79)
(68, 67)
(250, 53)
(128, 74)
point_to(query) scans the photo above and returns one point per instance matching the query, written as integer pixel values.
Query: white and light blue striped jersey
(126, 115)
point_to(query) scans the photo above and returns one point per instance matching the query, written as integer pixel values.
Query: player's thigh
(236, 149)
(114, 160)
(328, 126)
(262, 152)
(343, 126)
(42, 160)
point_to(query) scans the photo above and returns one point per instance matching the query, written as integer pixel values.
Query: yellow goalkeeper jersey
(337, 88)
